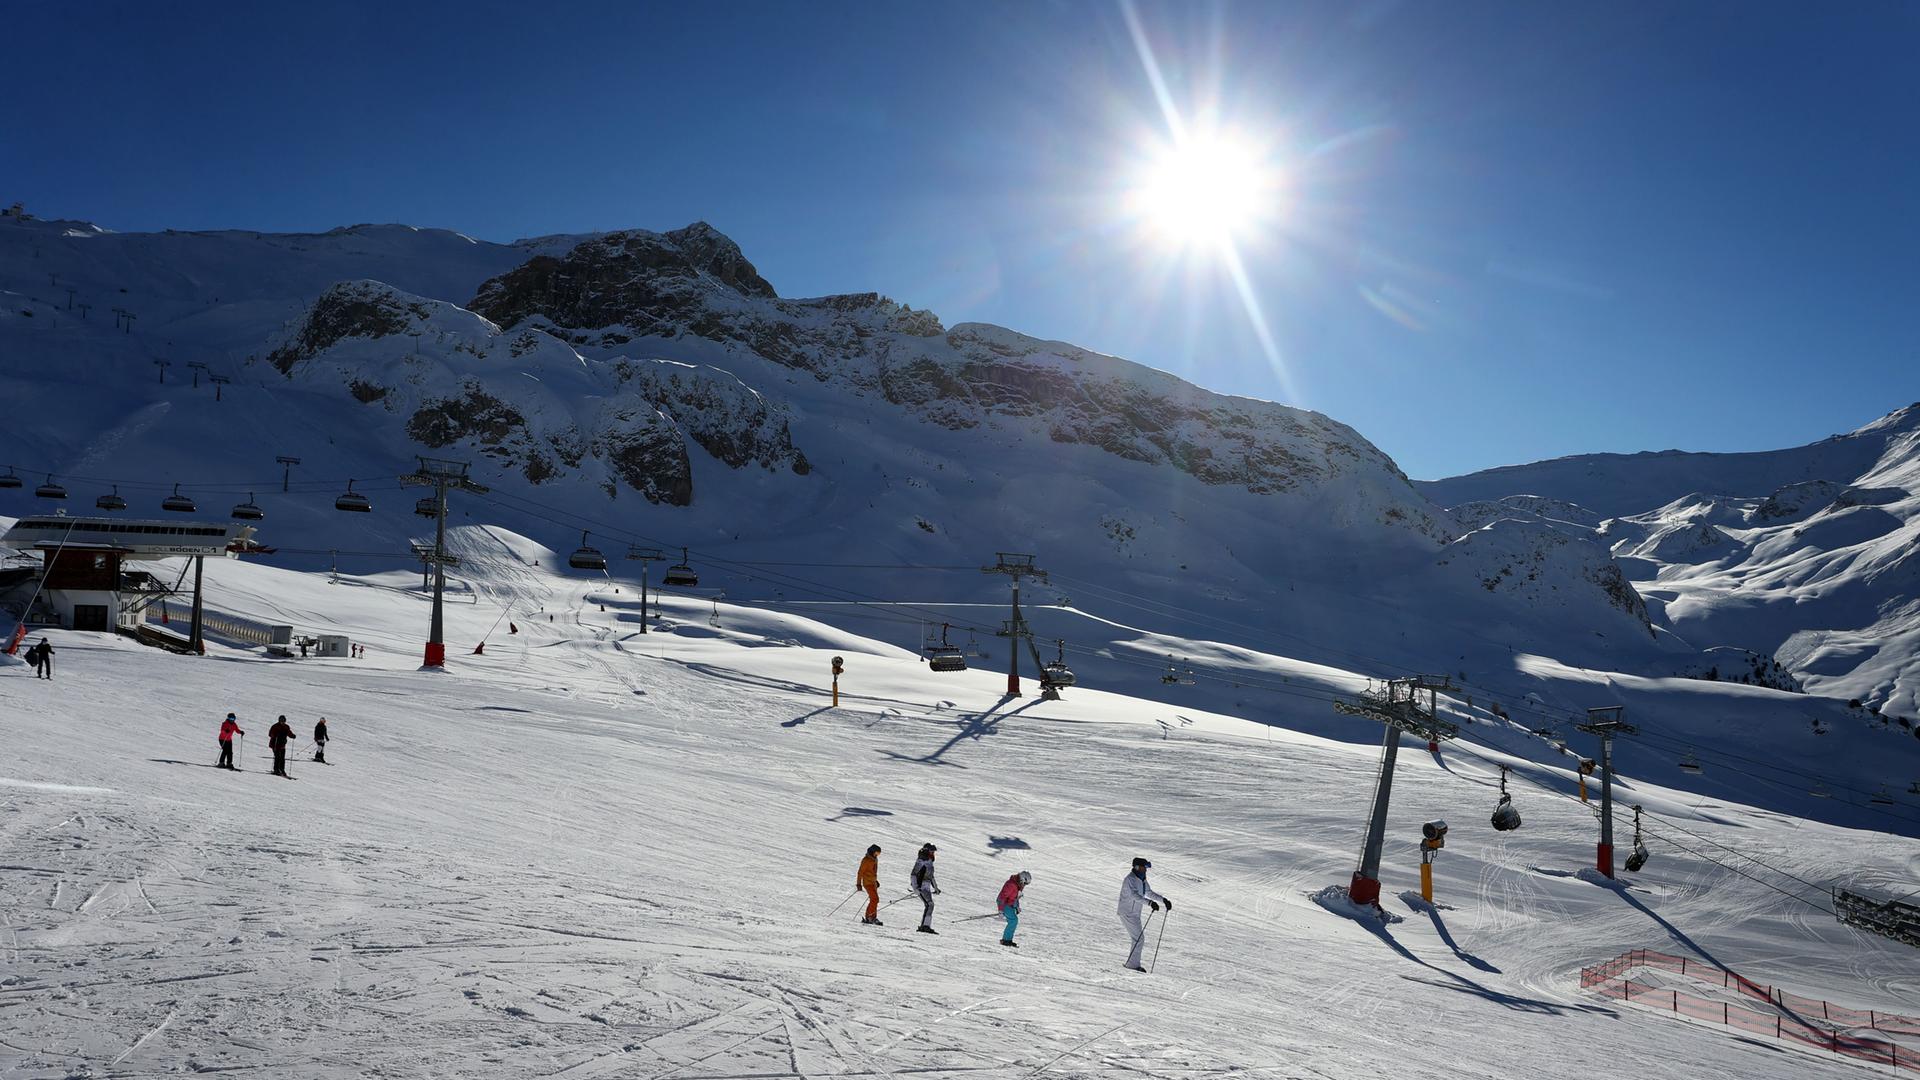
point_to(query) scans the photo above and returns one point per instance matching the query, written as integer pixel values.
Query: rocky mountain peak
(713, 252)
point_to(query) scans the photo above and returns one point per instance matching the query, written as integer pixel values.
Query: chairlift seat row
(681, 573)
(178, 503)
(352, 501)
(50, 490)
(249, 510)
(427, 507)
(111, 502)
(10, 480)
(587, 558)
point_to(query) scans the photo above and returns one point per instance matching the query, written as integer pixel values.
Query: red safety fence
(1789, 1017)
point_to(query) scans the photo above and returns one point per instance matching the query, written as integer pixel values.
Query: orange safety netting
(1789, 1017)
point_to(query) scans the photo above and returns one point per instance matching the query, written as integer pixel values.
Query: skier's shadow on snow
(859, 811)
(804, 717)
(972, 726)
(998, 844)
(177, 761)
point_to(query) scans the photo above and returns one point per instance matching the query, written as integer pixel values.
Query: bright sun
(1205, 189)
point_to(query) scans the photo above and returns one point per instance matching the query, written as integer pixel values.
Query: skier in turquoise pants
(1009, 901)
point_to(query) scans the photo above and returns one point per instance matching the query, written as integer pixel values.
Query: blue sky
(1505, 232)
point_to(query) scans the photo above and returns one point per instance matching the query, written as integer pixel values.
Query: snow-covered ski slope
(592, 852)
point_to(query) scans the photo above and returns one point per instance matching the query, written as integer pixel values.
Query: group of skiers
(278, 736)
(1135, 894)
(41, 657)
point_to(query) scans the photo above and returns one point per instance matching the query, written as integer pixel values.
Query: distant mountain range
(653, 388)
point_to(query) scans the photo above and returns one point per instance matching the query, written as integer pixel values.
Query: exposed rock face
(608, 281)
(721, 413)
(351, 309)
(527, 401)
(608, 292)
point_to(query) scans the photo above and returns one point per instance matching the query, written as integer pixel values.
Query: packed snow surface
(590, 851)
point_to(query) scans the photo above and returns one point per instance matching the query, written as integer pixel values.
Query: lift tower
(1016, 566)
(1606, 723)
(442, 476)
(1398, 705)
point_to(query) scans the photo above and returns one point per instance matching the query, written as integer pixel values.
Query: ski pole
(841, 904)
(1158, 940)
(890, 903)
(977, 918)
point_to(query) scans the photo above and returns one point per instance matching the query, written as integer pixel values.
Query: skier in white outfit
(1135, 892)
(923, 883)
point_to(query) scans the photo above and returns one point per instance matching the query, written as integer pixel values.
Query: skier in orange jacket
(869, 879)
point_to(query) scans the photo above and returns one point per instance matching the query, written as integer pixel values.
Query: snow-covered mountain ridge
(654, 389)
(1809, 556)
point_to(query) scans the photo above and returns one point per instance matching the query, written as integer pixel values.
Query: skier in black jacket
(320, 741)
(278, 736)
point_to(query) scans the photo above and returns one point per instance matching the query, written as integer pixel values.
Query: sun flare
(1205, 189)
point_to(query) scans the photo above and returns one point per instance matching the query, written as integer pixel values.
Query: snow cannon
(1435, 838)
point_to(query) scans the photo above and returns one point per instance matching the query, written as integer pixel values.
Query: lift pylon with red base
(1398, 705)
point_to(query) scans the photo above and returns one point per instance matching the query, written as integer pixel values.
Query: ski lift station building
(83, 582)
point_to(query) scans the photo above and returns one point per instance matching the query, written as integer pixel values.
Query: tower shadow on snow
(972, 726)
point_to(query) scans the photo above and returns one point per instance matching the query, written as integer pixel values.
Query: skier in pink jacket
(228, 729)
(1009, 901)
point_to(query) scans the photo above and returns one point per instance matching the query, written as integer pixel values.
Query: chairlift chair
(972, 647)
(1915, 789)
(1883, 797)
(428, 507)
(49, 490)
(249, 510)
(178, 503)
(1505, 817)
(1056, 673)
(1819, 790)
(110, 502)
(10, 480)
(1689, 764)
(352, 501)
(587, 558)
(1638, 858)
(944, 657)
(680, 573)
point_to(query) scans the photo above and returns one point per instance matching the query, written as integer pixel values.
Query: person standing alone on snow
(320, 741)
(924, 884)
(1009, 901)
(228, 729)
(1135, 892)
(869, 879)
(278, 736)
(41, 656)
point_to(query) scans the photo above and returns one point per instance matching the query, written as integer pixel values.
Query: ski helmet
(1025, 878)
(1142, 864)
(873, 849)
